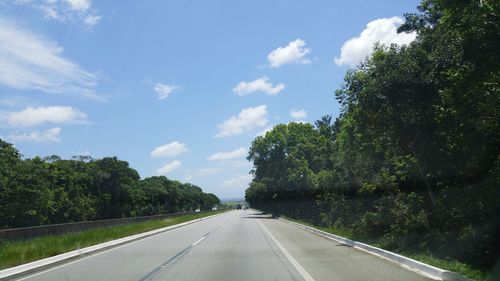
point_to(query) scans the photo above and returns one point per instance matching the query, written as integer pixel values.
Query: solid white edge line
(285, 252)
(11, 273)
(424, 269)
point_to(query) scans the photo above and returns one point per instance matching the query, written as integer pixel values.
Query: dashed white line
(92, 255)
(201, 239)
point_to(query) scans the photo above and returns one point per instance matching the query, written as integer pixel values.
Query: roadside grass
(425, 257)
(449, 264)
(19, 252)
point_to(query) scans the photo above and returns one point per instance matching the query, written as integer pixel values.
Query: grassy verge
(425, 257)
(449, 264)
(16, 253)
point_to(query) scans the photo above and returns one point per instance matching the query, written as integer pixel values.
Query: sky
(178, 88)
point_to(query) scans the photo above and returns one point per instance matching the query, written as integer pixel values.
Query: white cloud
(221, 156)
(50, 135)
(203, 172)
(294, 52)
(262, 84)
(64, 10)
(79, 5)
(174, 165)
(248, 119)
(382, 30)
(92, 20)
(170, 149)
(30, 62)
(238, 182)
(298, 114)
(164, 90)
(51, 13)
(34, 116)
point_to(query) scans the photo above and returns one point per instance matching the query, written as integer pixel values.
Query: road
(238, 245)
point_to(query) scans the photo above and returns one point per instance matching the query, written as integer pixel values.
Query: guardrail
(25, 233)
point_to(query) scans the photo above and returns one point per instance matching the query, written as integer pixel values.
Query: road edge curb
(40, 265)
(405, 262)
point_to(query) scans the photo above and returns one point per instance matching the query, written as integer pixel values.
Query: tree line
(53, 190)
(413, 159)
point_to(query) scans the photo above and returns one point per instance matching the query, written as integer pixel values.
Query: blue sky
(178, 88)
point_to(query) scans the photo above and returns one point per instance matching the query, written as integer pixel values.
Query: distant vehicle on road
(238, 207)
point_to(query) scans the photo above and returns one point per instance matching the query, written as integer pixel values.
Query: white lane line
(201, 239)
(157, 270)
(292, 260)
(92, 255)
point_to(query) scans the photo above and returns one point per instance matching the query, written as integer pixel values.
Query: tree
(413, 158)
(53, 190)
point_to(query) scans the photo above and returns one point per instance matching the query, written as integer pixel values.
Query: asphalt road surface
(238, 245)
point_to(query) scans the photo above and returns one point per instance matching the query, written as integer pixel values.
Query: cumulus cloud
(262, 84)
(294, 52)
(221, 156)
(174, 165)
(248, 119)
(34, 116)
(237, 182)
(50, 135)
(31, 62)
(163, 91)
(298, 114)
(382, 30)
(169, 149)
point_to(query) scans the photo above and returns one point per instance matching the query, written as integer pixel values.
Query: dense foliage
(413, 159)
(52, 190)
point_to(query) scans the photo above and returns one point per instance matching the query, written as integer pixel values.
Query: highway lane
(238, 245)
